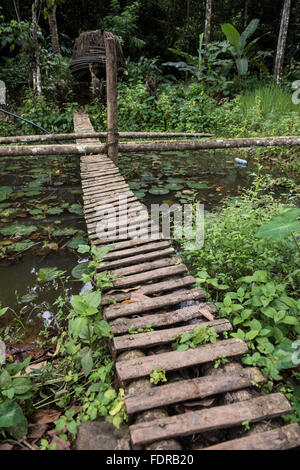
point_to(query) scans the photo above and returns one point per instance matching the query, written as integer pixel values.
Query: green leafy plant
(200, 335)
(158, 375)
(240, 50)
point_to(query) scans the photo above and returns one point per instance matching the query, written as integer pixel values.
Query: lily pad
(76, 242)
(18, 230)
(196, 185)
(5, 192)
(158, 191)
(65, 232)
(76, 209)
(20, 246)
(54, 211)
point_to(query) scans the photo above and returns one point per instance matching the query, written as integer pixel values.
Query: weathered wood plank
(116, 211)
(153, 275)
(104, 188)
(125, 232)
(184, 390)
(154, 288)
(102, 185)
(91, 185)
(122, 325)
(154, 338)
(174, 360)
(112, 196)
(256, 409)
(168, 300)
(116, 223)
(115, 199)
(133, 242)
(283, 438)
(159, 245)
(128, 261)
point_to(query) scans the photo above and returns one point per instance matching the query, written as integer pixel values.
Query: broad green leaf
(232, 35)
(247, 33)
(11, 414)
(87, 362)
(80, 269)
(83, 249)
(49, 274)
(102, 328)
(77, 325)
(281, 226)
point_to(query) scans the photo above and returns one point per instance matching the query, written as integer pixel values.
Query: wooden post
(112, 97)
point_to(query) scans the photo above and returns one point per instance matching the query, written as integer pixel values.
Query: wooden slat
(256, 409)
(112, 211)
(159, 245)
(108, 195)
(104, 189)
(117, 223)
(153, 303)
(115, 199)
(283, 438)
(149, 275)
(174, 360)
(154, 338)
(141, 228)
(103, 186)
(147, 289)
(99, 180)
(133, 242)
(129, 260)
(199, 388)
(122, 325)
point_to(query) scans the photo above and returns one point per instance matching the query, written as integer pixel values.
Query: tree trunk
(152, 146)
(36, 74)
(17, 10)
(246, 13)
(285, 17)
(208, 21)
(54, 32)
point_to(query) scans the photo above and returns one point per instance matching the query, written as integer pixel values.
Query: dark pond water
(41, 214)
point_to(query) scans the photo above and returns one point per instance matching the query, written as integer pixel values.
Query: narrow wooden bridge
(160, 293)
(152, 287)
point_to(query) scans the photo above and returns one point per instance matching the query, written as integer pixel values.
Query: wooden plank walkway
(153, 289)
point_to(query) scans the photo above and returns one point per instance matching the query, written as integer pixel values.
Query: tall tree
(17, 10)
(285, 18)
(51, 14)
(246, 13)
(36, 74)
(207, 21)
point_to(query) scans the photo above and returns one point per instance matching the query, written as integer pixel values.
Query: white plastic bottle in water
(240, 161)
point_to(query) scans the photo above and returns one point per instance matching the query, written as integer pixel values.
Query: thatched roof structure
(89, 48)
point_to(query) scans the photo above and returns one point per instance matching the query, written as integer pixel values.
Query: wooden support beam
(97, 135)
(153, 146)
(112, 98)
